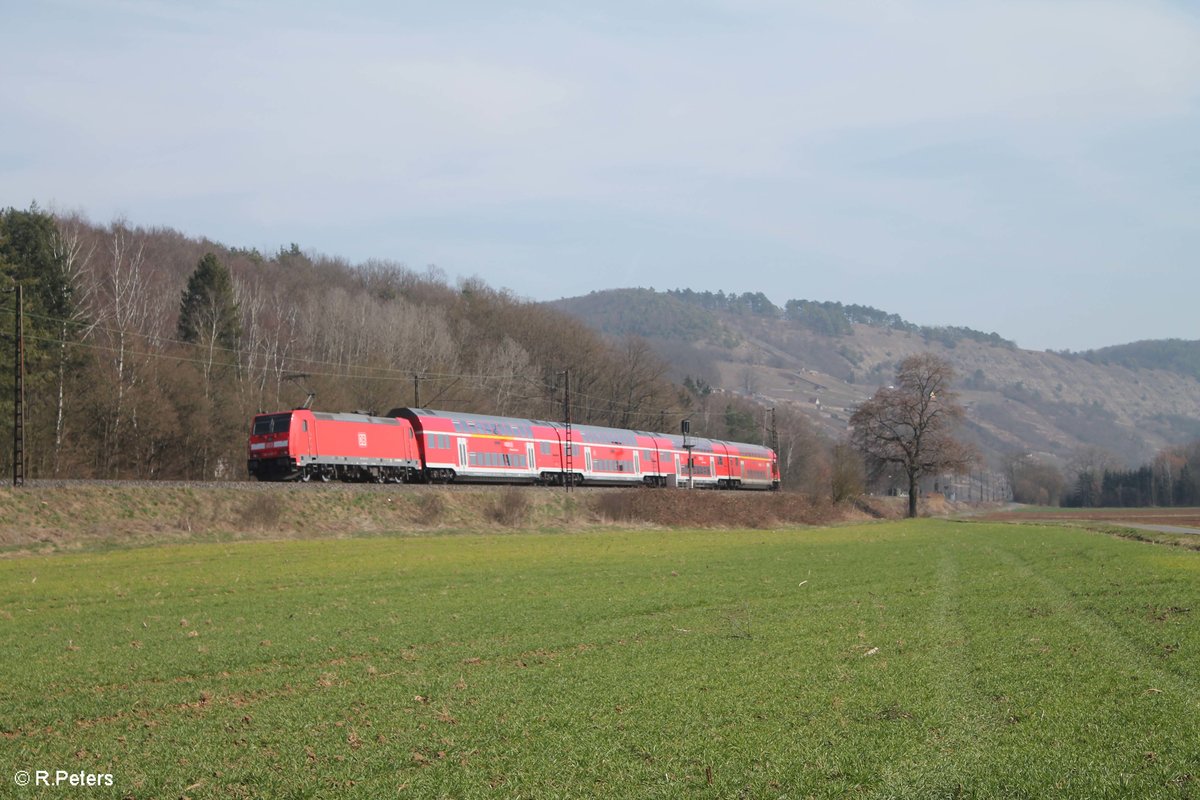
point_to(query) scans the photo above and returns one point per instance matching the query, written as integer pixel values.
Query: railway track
(289, 486)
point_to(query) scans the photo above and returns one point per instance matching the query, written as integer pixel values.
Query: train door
(462, 453)
(531, 464)
(308, 435)
(637, 464)
(587, 458)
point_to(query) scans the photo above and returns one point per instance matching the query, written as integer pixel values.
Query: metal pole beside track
(19, 388)
(569, 476)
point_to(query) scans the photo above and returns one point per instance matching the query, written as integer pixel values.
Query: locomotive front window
(274, 423)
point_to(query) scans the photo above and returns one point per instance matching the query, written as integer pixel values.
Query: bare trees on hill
(148, 351)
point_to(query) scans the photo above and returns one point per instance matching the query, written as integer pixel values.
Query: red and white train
(422, 445)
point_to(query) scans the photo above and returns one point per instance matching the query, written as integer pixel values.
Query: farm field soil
(1176, 517)
(912, 659)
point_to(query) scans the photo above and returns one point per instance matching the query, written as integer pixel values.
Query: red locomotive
(422, 445)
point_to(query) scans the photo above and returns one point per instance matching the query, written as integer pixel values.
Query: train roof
(591, 433)
(348, 417)
(335, 416)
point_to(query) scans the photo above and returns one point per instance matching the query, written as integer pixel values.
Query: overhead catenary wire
(404, 372)
(245, 355)
(481, 380)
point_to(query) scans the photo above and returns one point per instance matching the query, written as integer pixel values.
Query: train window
(274, 423)
(545, 448)
(304, 423)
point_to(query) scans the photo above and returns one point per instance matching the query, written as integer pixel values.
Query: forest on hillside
(148, 351)
(1175, 355)
(678, 314)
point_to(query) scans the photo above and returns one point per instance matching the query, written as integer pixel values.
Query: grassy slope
(47, 519)
(905, 659)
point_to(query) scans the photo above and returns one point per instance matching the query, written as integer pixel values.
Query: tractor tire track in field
(1120, 648)
(967, 718)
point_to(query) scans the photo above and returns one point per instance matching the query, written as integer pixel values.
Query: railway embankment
(49, 516)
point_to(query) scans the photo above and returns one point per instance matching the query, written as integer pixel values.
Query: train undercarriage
(284, 470)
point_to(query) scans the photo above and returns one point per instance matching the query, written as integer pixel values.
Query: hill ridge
(825, 357)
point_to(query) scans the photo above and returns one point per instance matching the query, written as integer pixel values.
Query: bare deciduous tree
(1088, 465)
(1033, 479)
(911, 424)
(72, 263)
(846, 477)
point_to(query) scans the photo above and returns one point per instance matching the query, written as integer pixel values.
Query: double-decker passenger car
(444, 446)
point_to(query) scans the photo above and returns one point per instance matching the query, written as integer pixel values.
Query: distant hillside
(1173, 355)
(649, 314)
(680, 314)
(826, 357)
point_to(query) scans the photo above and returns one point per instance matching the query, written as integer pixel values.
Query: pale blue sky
(1024, 166)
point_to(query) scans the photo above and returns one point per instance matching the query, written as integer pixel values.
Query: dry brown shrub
(431, 509)
(509, 507)
(713, 509)
(619, 506)
(881, 507)
(261, 512)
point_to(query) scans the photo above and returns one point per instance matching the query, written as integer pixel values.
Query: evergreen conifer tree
(208, 313)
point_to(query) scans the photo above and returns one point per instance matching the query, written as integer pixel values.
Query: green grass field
(917, 659)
